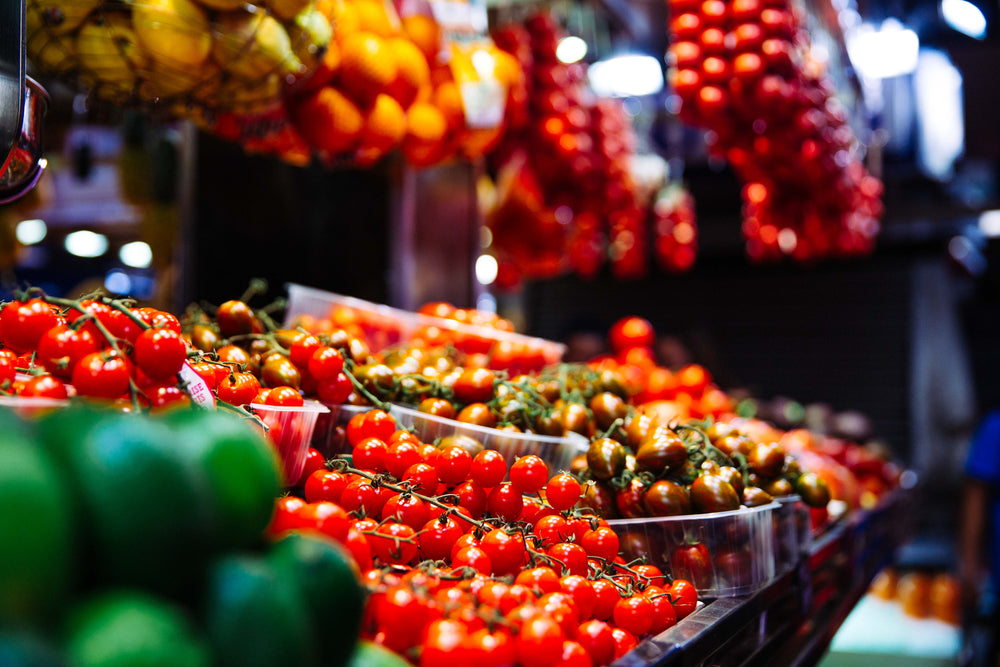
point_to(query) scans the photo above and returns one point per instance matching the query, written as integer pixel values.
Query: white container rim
(33, 402)
(487, 431)
(307, 406)
(688, 517)
(426, 320)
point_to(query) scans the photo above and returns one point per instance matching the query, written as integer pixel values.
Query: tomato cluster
(105, 350)
(567, 199)
(743, 70)
(447, 546)
(485, 339)
(675, 229)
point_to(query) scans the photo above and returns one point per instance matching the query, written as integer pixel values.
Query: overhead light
(626, 76)
(989, 223)
(571, 49)
(889, 51)
(964, 17)
(486, 269)
(29, 232)
(137, 254)
(118, 282)
(86, 244)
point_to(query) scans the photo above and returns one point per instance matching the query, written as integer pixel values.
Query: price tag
(194, 385)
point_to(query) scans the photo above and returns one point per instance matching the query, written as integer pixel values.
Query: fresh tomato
(101, 375)
(62, 346)
(160, 353)
(238, 388)
(24, 324)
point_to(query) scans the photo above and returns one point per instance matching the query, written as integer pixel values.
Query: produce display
(567, 200)
(188, 57)
(463, 566)
(164, 534)
(744, 70)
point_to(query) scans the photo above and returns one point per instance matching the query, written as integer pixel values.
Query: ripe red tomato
(285, 517)
(472, 498)
(323, 484)
(101, 375)
(62, 346)
(441, 642)
(326, 363)
(400, 456)
(395, 543)
(599, 641)
(602, 542)
(632, 331)
(505, 501)
(23, 324)
(539, 643)
(529, 473)
(683, 596)
(606, 596)
(542, 579)
(238, 388)
(324, 517)
(164, 396)
(562, 491)
(336, 390)
(302, 348)
(43, 386)
(369, 454)
(506, 551)
(371, 424)
(357, 543)
(211, 373)
(664, 614)
(406, 509)
(488, 468)
(284, 396)
(160, 353)
(437, 538)
(571, 557)
(625, 641)
(314, 461)
(453, 465)
(97, 310)
(422, 477)
(8, 367)
(473, 557)
(361, 497)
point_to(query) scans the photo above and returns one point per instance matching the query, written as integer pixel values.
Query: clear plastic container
(792, 531)
(329, 437)
(32, 406)
(724, 554)
(383, 326)
(557, 453)
(290, 430)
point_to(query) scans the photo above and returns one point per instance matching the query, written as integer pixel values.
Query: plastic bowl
(290, 430)
(724, 554)
(31, 406)
(793, 534)
(557, 453)
(383, 326)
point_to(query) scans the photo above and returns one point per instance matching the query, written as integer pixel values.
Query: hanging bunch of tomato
(744, 71)
(449, 542)
(675, 229)
(567, 199)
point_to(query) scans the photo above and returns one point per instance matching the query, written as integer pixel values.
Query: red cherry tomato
(160, 353)
(61, 347)
(529, 473)
(101, 375)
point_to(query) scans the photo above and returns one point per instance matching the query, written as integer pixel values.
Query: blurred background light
(86, 243)
(626, 76)
(964, 17)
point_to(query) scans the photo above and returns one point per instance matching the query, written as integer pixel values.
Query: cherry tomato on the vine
(238, 388)
(101, 375)
(160, 353)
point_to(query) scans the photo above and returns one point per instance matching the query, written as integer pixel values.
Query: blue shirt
(983, 464)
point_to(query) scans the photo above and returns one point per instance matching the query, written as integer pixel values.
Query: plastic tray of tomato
(557, 452)
(290, 430)
(383, 326)
(724, 554)
(792, 532)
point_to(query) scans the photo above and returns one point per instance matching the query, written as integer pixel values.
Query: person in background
(979, 536)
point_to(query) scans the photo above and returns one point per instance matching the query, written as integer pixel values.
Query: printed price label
(199, 390)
